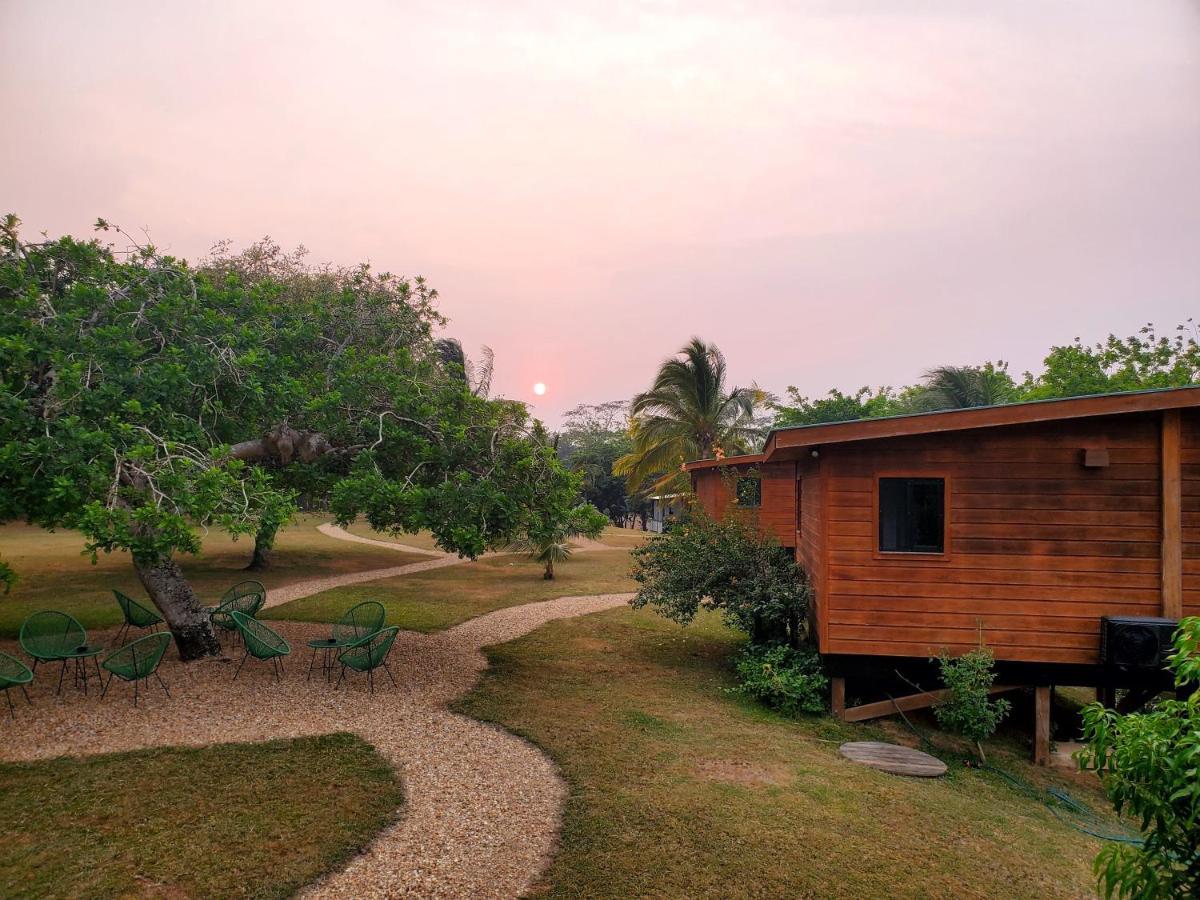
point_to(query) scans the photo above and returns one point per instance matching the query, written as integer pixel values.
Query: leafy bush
(727, 565)
(786, 679)
(1149, 764)
(968, 709)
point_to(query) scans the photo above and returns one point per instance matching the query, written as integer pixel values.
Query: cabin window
(749, 492)
(912, 515)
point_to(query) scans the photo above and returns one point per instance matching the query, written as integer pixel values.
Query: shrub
(727, 565)
(968, 709)
(785, 679)
(1149, 764)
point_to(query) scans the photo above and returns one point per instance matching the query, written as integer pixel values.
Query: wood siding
(777, 515)
(1038, 546)
(777, 511)
(810, 549)
(1190, 465)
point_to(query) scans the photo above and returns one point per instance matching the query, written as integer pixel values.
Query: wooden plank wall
(810, 548)
(1190, 458)
(1040, 547)
(777, 514)
(711, 489)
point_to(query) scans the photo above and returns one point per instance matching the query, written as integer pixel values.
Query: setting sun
(539, 389)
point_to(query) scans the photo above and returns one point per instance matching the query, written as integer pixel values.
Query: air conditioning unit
(1136, 643)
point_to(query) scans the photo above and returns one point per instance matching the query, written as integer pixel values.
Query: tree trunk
(264, 542)
(173, 595)
(548, 575)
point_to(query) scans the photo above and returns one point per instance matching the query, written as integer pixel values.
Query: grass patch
(624, 537)
(680, 789)
(232, 820)
(421, 539)
(615, 537)
(56, 575)
(437, 599)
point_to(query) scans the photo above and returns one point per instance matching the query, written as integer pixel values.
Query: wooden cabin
(1018, 526)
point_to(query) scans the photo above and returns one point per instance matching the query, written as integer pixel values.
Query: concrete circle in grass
(893, 758)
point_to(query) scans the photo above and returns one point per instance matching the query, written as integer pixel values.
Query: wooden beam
(1172, 516)
(905, 704)
(837, 700)
(1041, 726)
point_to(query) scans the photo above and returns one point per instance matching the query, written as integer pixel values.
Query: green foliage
(963, 387)
(548, 541)
(969, 710)
(727, 565)
(593, 438)
(1149, 764)
(864, 403)
(944, 387)
(1142, 361)
(118, 378)
(786, 679)
(131, 385)
(688, 413)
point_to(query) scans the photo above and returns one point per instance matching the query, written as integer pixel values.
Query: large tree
(592, 439)
(142, 399)
(689, 413)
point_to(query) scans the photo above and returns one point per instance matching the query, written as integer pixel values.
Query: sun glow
(539, 389)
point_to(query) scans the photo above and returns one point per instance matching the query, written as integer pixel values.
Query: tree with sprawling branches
(142, 400)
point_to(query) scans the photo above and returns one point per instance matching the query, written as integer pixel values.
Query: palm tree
(687, 414)
(551, 545)
(961, 387)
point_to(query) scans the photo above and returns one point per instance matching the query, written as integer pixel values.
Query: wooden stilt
(1041, 726)
(837, 701)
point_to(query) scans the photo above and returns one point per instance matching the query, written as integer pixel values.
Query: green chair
(246, 597)
(136, 616)
(14, 673)
(261, 643)
(369, 654)
(359, 622)
(137, 661)
(52, 636)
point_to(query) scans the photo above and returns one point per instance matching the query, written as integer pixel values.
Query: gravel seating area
(482, 807)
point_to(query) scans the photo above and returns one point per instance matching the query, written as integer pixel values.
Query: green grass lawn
(678, 789)
(54, 574)
(421, 539)
(624, 537)
(232, 820)
(616, 537)
(440, 598)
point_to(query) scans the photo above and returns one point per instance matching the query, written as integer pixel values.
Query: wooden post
(1041, 726)
(1172, 516)
(837, 701)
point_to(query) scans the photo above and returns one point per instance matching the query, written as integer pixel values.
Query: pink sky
(836, 193)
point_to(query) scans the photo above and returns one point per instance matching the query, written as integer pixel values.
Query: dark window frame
(737, 492)
(877, 514)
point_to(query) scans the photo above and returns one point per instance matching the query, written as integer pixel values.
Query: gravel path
(482, 807)
(341, 534)
(439, 560)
